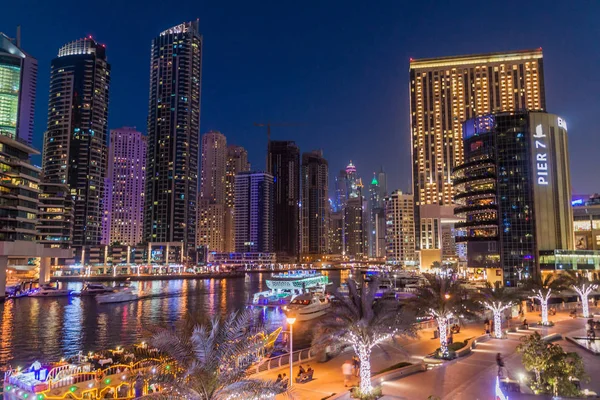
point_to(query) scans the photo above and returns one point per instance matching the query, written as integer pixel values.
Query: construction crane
(268, 125)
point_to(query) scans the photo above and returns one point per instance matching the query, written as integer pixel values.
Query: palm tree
(363, 322)
(442, 298)
(583, 286)
(497, 298)
(542, 287)
(210, 361)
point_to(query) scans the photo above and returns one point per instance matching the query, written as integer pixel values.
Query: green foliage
(373, 395)
(210, 360)
(554, 368)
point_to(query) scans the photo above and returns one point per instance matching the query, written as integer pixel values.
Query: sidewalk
(474, 376)
(328, 377)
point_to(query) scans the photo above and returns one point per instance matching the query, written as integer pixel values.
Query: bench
(305, 377)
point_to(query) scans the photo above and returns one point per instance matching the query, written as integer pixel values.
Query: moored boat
(284, 287)
(49, 291)
(120, 294)
(308, 306)
(93, 289)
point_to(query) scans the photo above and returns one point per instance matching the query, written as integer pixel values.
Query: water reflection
(50, 328)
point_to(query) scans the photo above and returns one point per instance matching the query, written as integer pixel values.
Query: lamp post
(290, 320)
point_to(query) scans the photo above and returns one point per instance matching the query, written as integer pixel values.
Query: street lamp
(290, 320)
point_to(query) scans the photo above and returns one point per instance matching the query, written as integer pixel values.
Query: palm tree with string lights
(210, 361)
(442, 298)
(542, 288)
(583, 286)
(364, 322)
(498, 298)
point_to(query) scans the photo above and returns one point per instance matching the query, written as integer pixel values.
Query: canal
(50, 328)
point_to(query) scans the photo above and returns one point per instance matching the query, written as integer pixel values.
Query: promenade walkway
(470, 377)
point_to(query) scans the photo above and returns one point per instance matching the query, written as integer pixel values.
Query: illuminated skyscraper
(253, 212)
(18, 80)
(237, 162)
(210, 225)
(285, 167)
(126, 178)
(315, 204)
(444, 92)
(75, 144)
(400, 225)
(173, 129)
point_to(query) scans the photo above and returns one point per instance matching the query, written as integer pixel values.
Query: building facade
(210, 224)
(586, 222)
(55, 216)
(237, 162)
(75, 144)
(513, 191)
(253, 212)
(353, 227)
(444, 92)
(126, 177)
(285, 168)
(18, 81)
(400, 228)
(173, 129)
(315, 204)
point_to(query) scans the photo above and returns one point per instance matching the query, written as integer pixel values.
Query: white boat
(93, 289)
(49, 291)
(308, 306)
(120, 294)
(285, 286)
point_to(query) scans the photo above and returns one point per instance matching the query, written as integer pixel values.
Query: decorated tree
(543, 287)
(363, 322)
(211, 360)
(443, 298)
(584, 287)
(498, 298)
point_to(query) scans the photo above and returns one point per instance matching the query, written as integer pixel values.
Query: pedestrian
(356, 365)
(347, 372)
(487, 327)
(279, 378)
(500, 363)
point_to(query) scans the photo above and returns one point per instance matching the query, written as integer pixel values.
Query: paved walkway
(470, 377)
(474, 376)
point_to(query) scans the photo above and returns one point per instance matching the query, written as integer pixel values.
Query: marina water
(50, 328)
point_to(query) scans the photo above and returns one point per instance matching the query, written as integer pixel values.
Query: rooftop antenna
(18, 35)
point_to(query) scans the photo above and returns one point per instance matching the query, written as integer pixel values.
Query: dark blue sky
(339, 68)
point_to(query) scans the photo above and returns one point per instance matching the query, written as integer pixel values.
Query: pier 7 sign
(541, 155)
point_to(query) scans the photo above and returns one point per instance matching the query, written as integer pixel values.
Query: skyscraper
(444, 92)
(210, 225)
(75, 144)
(400, 224)
(18, 80)
(285, 167)
(253, 212)
(126, 178)
(315, 203)
(237, 162)
(375, 228)
(353, 227)
(173, 129)
(514, 192)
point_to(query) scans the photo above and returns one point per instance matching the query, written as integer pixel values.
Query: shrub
(375, 394)
(393, 367)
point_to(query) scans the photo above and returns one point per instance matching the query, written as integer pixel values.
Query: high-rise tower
(75, 144)
(444, 92)
(315, 203)
(210, 229)
(173, 129)
(285, 167)
(237, 162)
(18, 80)
(253, 212)
(126, 177)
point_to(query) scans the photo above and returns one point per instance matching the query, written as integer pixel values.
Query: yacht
(285, 286)
(120, 294)
(49, 291)
(92, 289)
(308, 306)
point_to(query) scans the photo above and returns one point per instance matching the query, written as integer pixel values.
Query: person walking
(356, 365)
(347, 372)
(500, 363)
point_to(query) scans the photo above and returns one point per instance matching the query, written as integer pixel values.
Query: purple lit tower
(124, 200)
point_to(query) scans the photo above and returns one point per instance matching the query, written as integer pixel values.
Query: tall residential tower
(18, 80)
(444, 92)
(315, 204)
(237, 162)
(75, 144)
(126, 178)
(173, 129)
(253, 212)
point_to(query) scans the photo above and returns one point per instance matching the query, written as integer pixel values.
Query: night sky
(339, 69)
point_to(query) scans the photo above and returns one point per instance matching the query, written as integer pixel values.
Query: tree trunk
(585, 305)
(365, 371)
(443, 327)
(498, 324)
(544, 303)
